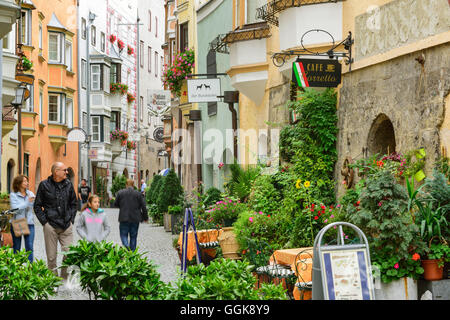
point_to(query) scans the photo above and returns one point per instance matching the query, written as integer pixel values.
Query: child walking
(92, 224)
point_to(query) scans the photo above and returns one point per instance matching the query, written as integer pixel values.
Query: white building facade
(114, 22)
(151, 66)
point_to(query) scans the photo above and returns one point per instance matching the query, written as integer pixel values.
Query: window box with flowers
(119, 88)
(130, 50)
(118, 140)
(175, 74)
(131, 145)
(121, 45)
(130, 98)
(112, 38)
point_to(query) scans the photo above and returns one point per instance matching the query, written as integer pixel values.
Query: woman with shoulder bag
(22, 223)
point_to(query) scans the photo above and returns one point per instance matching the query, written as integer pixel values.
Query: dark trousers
(129, 229)
(29, 240)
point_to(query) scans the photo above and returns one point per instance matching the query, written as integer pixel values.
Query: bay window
(95, 77)
(55, 47)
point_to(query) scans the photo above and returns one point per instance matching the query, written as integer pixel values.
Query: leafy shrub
(153, 212)
(119, 183)
(212, 196)
(113, 272)
(383, 216)
(223, 280)
(264, 196)
(226, 212)
(241, 181)
(274, 229)
(151, 195)
(310, 146)
(22, 280)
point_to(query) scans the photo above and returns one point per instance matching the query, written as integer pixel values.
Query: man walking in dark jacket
(55, 207)
(132, 211)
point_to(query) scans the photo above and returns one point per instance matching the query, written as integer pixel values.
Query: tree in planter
(382, 214)
(170, 193)
(150, 195)
(118, 184)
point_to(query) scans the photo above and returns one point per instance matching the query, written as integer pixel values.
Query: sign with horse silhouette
(203, 90)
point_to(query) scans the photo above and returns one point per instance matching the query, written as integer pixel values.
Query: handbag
(20, 227)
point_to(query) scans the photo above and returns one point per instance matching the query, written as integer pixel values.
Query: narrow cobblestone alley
(152, 239)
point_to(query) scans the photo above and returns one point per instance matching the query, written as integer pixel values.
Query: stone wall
(399, 23)
(410, 94)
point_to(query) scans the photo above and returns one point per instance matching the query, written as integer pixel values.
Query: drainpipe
(232, 97)
(138, 98)
(79, 91)
(91, 19)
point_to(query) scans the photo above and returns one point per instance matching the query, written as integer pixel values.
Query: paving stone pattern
(152, 239)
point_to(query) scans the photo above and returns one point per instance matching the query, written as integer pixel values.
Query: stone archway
(381, 137)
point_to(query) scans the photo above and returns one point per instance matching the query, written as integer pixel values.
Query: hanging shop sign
(159, 101)
(203, 90)
(316, 73)
(158, 134)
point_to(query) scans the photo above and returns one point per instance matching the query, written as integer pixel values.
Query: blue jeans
(29, 240)
(131, 229)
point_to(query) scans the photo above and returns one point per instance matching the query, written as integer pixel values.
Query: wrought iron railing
(269, 11)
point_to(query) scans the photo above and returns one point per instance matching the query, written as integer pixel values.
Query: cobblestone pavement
(152, 239)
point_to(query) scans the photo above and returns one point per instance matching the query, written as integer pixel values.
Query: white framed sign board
(346, 275)
(203, 90)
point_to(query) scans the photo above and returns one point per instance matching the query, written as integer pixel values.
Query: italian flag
(300, 74)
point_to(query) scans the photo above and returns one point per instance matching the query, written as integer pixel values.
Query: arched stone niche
(381, 138)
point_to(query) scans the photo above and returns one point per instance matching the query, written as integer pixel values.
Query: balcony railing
(269, 11)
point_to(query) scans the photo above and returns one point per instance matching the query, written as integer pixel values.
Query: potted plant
(130, 98)
(131, 145)
(118, 140)
(382, 214)
(26, 63)
(170, 194)
(119, 88)
(130, 50)
(438, 254)
(174, 75)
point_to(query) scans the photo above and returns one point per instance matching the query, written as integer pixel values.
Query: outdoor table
(203, 236)
(288, 257)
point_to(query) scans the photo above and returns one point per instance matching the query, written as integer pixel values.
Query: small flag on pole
(300, 74)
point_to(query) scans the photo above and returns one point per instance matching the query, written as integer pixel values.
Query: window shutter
(211, 68)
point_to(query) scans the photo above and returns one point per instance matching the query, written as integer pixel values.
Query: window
(85, 121)
(115, 73)
(184, 37)
(95, 77)
(141, 107)
(25, 30)
(115, 120)
(162, 66)
(68, 52)
(149, 58)
(54, 47)
(149, 20)
(29, 103)
(40, 37)
(95, 127)
(83, 28)
(93, 36)
(141, 53)
(149, 115)
(41, 109)
(6, 42)
(53, 107)
(69, 113)
(83, 73)
(156, 64)
(156, 27)
(102, 42)
(26, 164)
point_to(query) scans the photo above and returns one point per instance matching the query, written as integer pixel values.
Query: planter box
(440, 289)
(167, 222)
(402, 289)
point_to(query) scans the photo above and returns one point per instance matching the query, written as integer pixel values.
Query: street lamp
(22, 94)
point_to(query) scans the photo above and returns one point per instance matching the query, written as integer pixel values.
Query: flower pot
(402, 289)
(431, 270)
(419, 176)
(7, 239)
(229, 244)
(167, 222)
(116, 146)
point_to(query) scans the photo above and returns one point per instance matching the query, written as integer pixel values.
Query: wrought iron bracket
(280, 58)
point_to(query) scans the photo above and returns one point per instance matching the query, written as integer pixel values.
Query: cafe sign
(316, 73)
